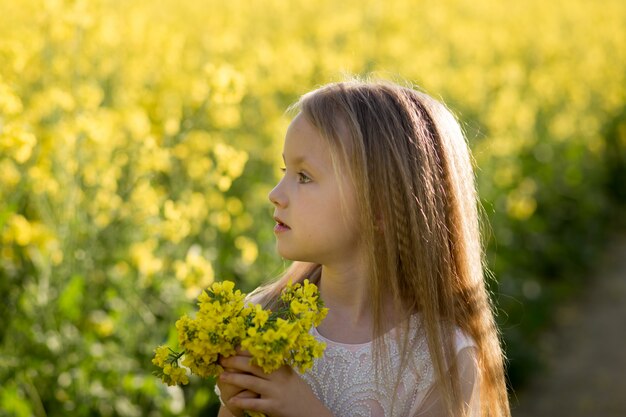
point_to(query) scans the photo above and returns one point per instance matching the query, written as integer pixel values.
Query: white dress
(344, 378)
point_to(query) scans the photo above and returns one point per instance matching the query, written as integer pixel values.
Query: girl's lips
(279, 228)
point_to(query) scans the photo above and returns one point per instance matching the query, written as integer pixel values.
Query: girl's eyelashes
(302, 177)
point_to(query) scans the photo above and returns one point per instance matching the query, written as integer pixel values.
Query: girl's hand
(282, 393)
(227, 391)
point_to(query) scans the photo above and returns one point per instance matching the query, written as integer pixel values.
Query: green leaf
(70, 301)
(14, 403)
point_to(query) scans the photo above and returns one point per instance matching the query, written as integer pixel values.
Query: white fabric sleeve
(433, 403)
(219, 394)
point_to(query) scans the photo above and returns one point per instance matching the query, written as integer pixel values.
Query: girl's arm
(282, 393)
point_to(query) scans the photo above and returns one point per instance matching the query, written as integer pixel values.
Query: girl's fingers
(251, 404)
(246, 394)
(246, 381)
(242, 364)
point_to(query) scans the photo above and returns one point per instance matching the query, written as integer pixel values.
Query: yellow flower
(20, 230)
(160, 355)
(249, 249)
(142, 253)
(17, 142)
(174, 375)
(297, 307)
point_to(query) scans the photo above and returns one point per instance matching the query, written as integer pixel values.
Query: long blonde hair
(411, 168)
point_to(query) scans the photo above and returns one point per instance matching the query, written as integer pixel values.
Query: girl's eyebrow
(301, 160)
(297, 160)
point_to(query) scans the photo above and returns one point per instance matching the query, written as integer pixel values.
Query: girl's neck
(345, 290)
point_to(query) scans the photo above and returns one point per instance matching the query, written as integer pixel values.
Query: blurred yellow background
(139, 140)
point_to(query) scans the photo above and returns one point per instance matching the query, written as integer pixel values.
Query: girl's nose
(277, 196)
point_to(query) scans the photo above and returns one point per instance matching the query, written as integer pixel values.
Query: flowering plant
(225, 321)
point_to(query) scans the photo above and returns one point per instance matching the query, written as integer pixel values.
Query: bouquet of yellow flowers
(224, 322)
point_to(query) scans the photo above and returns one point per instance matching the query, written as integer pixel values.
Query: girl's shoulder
(460, 338)
(415, 333)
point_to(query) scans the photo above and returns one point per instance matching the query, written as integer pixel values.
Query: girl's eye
(303, 178)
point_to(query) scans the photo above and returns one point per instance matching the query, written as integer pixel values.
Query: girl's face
(311, 225)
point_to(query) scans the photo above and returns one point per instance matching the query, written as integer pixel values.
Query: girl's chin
(290, 254)
(287, 255)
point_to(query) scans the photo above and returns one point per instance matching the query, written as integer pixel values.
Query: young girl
(378, 207)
